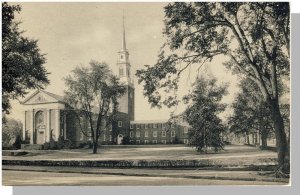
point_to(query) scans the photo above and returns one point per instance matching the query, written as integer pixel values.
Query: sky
(72, 34)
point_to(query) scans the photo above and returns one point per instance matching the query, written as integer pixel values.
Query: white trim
(163, 133)
(146, 133)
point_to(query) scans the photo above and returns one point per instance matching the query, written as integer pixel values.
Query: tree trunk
(95, 147)
(264, 137)
(247, 139)
(281, 139)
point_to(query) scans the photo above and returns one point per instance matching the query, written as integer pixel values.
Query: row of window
(104, 137)
(151, 125)
(145, 126)
(186, 141)
(154, 134)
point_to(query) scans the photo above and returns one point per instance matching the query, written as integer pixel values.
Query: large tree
(253, 37)
(22, 61)
(202, 114)
(92, 94)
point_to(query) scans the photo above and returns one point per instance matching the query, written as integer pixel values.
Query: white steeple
(123, 60)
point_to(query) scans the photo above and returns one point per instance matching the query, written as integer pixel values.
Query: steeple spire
(124, 40)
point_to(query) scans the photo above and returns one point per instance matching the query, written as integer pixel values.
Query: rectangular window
(137, 126)
(146, 142)
(146, 133)
(185, 130)
(163, 133)
(146, 126)
(131, 133)
(104, 138)
(154, 142)
(155, 126)
(110, 138)
(163, 141)
(110, 127)
(137, 141)
(138, 134)
(131, 126)
(163, 126)
(120, 123)
(154, 133)
(172, 133)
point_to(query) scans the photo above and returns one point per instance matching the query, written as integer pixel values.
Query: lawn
(232, 154)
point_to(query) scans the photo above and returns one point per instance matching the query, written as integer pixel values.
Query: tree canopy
(92, 94)
(22, 61)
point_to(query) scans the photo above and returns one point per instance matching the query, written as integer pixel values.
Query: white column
(57, 124)
(48, 127)
(32, 129)
(24, 126)
(65, 126)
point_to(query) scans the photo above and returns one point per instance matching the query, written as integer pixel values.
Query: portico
(45, 118)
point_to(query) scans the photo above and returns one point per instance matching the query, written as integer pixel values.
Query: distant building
(46, 117)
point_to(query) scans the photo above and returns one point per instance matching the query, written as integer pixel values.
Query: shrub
(18, 142)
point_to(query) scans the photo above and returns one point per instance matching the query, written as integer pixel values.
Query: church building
(45, 117)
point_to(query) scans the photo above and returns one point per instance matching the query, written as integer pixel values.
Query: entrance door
(120, 138)
(40, 127)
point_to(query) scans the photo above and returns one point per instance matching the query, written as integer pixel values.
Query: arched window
(39, 118)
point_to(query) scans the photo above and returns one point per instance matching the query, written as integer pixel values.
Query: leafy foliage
(11, 130)
(92, 94)
(22, 62)
(203, 112)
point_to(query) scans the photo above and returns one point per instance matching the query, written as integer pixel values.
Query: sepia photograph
(145, 93)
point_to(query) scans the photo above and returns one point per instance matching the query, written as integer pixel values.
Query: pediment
(41, 97)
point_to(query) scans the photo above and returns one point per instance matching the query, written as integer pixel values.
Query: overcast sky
(72, 34)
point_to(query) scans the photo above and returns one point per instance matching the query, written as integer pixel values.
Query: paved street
(18, 178)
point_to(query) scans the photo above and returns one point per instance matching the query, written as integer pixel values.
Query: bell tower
(126, 102)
